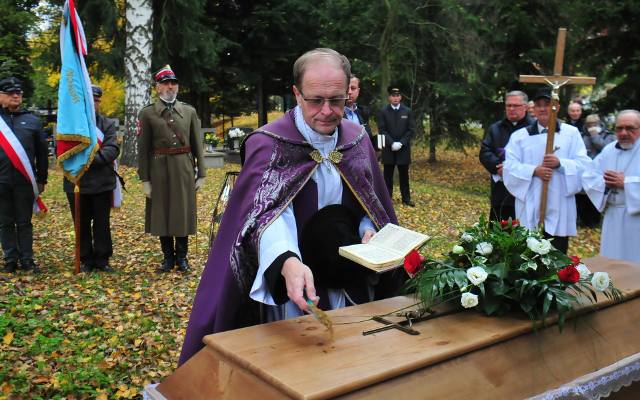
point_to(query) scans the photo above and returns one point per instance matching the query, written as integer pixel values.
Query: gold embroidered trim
(335, 156)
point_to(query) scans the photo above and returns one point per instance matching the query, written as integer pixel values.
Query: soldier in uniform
(17, 193)
(171, 168)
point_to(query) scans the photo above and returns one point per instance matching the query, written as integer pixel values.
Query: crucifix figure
(556, 81)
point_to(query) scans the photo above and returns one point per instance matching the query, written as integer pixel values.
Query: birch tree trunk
(137, 63)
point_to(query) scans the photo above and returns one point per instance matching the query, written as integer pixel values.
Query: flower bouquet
(234, 137)
(502, 266)
(211, 140)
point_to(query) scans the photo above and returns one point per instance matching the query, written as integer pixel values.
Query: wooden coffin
(458, 356)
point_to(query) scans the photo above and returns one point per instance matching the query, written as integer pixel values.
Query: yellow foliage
(112, 95)
(53, 77)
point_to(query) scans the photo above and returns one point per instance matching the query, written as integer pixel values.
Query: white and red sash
(18, 157)
(116, 198)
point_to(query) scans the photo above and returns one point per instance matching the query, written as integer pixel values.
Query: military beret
(11, 84)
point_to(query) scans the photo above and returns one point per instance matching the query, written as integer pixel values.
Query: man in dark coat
(171, 168)
(356, 112)
(304, 163)
(96, 196)
(396, 123)
(21, 135)
(492, 152)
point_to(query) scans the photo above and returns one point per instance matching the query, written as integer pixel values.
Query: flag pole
(76, 225)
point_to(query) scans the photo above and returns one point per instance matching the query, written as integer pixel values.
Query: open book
(386, 249)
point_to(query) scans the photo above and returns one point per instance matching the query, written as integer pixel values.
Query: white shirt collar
(395, 107)
(541, 128)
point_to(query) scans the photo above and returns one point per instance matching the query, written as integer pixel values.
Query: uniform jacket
(100, 177)
(171, 211)
(28, 129)
(492, 153)
(398, 126)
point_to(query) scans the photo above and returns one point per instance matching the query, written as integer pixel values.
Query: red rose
(569, 274)
(413, 262)
(504, 222)
(575, 260)
(515, 222)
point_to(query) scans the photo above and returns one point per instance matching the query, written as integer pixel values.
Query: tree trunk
(385, 49)
(434, 133)
(137, 61)
(262, 110)
(204, 109)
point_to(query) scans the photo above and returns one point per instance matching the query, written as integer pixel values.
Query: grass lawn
(107, 335)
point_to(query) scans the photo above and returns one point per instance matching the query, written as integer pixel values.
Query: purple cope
(277, 170)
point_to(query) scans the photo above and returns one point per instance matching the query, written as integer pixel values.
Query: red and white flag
(18, 157)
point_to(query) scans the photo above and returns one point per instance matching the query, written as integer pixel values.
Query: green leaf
(548, 299)
(501, 270)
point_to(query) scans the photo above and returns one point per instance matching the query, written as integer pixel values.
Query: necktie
(544, 130)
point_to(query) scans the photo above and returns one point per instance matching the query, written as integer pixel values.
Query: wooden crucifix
(556, 81)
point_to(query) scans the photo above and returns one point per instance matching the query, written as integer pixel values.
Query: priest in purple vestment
(309, 182)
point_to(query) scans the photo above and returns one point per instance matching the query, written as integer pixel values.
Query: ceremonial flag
(76, 138)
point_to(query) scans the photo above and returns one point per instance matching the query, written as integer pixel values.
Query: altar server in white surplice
(526, 167)
(613, 186)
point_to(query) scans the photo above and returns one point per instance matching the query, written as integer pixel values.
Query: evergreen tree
(18, 21)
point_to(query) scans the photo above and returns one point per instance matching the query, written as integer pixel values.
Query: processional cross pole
(556, 81)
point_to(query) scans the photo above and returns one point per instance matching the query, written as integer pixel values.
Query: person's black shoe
(105, 268)
(408, 203)
(10, 267)
(29, 265)
(183, 265)
(86, 268)
(166, 266)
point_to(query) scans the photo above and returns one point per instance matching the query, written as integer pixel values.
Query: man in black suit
(396, 123)
(492, 152)
(355, 112)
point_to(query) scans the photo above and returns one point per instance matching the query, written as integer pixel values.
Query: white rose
(539, 246)
(484, 248)
(583, 270)
(457, 249)
(545, 246)
(476, 275)
(469, 300)
(467, 237)
(600, 281)
(532, 243)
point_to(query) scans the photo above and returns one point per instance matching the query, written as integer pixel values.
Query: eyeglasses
(514, 105)
(626, 128)
(318, 102)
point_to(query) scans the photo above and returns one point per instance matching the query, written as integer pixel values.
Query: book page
(397, 239)
(371, 254)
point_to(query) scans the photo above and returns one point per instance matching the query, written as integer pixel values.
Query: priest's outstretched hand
(298, 278)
